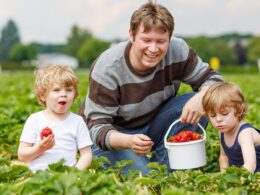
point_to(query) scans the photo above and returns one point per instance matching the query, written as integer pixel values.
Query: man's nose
(153, 47)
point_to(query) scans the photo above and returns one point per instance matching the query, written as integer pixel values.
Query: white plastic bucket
(186, 155)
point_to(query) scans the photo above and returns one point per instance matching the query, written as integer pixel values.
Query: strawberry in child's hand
(46, 132)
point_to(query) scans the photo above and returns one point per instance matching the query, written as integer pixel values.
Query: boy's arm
(29, 151)
(85, 158)
(223, 160)
(246, 142)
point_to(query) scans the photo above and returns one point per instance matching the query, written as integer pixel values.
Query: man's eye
(161, 41)
(146, 40)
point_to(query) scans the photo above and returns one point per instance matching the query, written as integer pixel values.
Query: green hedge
(238, 69)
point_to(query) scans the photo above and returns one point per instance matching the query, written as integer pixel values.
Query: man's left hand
(193, 110)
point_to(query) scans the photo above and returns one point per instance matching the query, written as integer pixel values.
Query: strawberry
(196, 136)
(189, 134)
(184, 136)
(177, 138)
(46, 132)
(183, 139)
(183, 133)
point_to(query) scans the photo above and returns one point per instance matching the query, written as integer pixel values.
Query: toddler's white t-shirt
(70, 135)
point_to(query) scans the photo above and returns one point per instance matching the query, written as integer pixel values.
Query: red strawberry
(189, 135)
(176, 138)
(183, 139)
(183, 134)
(46, 132)
(196, 136)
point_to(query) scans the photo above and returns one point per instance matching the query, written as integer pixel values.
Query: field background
(17, 102)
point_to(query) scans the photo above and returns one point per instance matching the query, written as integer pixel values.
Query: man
(132, 99)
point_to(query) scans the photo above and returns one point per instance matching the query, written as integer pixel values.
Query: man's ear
(131, 34)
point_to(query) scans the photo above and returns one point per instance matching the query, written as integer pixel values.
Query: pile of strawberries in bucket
(184, 136)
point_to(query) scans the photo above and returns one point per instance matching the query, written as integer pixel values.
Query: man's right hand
(140, 144)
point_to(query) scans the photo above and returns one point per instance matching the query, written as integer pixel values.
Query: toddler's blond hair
(223, 95)
(48, 75)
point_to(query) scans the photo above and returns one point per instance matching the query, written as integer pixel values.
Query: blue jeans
(156, 130)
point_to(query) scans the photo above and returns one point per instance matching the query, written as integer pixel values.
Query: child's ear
(241, 109)
(42, 97)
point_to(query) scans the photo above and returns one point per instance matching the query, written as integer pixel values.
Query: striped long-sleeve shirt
(119, 97)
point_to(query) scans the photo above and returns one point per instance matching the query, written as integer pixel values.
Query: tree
(9, 37)
(253, 50)
(91, 49)
(240, 52)
(75, 40)
(225, 54)
(21, 52)
(203, 46)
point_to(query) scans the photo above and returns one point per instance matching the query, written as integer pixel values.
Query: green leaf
(201, 179)
(59, 166)
(145, 181)
(231, 178)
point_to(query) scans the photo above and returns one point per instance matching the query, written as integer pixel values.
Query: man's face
(148, 48)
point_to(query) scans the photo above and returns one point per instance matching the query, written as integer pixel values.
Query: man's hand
(193, 110)
(141, 144)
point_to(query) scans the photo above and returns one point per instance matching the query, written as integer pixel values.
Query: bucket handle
(169, 129)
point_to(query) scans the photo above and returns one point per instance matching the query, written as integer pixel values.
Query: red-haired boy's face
(225, 120)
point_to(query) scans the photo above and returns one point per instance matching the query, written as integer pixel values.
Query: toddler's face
(59, 98)
(224, 120)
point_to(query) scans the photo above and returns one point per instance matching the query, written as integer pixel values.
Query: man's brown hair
(151, 15)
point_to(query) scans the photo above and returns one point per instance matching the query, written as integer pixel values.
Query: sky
(50, 21)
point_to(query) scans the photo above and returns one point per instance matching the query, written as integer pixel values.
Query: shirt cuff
(107, 140)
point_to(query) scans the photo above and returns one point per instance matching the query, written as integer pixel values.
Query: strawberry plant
(17, 102)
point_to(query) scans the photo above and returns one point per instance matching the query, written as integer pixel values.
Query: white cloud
(51, 20)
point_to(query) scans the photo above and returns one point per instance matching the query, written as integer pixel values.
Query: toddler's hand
(47, 142)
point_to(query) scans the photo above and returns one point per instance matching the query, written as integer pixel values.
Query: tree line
(230, 48)
(80, 44)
